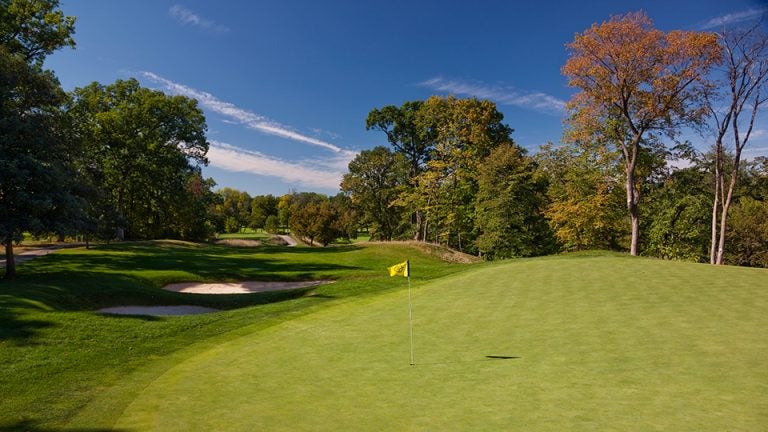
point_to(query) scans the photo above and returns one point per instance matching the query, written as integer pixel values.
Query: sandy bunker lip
(157, 310)
(246, 287)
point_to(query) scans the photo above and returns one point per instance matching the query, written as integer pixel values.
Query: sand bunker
(156, 310)
(246, 287)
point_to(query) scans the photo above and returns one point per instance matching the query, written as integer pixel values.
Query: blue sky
(286, 85)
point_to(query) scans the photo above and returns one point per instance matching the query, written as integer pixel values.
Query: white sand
(246, 287)
(156, 310)
(210, 288)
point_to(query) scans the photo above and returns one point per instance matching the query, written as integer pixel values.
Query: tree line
(103, 161)
(310, 216)
(121, 161)
(454, 175)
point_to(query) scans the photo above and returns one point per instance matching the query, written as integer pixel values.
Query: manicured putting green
(560, 343)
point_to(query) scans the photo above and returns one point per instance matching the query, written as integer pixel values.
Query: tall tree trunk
(10, 263)
(634, 216)
(713, 240)
(724, 214)
(417, 222)
(633, 196)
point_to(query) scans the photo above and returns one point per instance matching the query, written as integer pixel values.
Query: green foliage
(33, 29)
(347, 220)
(510, 197)
(465, 131)
(748, 233)
(272, 224)
(142, 146)
(678, 215)
(376, 177)
(37, 191)
(262, 206)
(232, 210)
(586, 198)
(405, 131)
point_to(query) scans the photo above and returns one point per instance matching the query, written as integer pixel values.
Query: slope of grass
(578, 343)
(246, 233)
(57, 354)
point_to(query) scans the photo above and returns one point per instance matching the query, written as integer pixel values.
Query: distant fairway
(682, 348)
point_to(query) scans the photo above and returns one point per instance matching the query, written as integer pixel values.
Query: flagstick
(410, 315)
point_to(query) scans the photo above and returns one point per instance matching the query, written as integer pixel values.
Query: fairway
(557, 343)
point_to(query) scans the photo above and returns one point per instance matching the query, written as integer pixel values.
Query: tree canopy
(635, 81)
(143, 145)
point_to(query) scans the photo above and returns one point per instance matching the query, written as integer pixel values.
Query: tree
(745, 75)
(272, 224)
(32, 29)
(636, 82)
(677, 214)
(262, 206)
(584, 208)
(313, 218)
(410, 136)
(284, 205)
(404, 132)
(510, 199)
(748, 235)
(347, 220)
(375, 179)
(190, 217)
(35, 169)
(233, 209)
(144, 144)
(36, 187)
(465, 132)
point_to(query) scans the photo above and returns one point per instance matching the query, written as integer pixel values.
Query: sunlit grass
(577, 343)
(58, 354)
(591, 341)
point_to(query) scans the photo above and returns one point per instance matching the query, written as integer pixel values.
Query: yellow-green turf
(576, 343)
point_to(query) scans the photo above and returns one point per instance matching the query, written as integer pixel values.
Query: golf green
(559, 343)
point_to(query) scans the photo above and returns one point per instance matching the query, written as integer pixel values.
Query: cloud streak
(734, 18)
(320, 173)
(241, 116)
(188, 17)
(502, 94)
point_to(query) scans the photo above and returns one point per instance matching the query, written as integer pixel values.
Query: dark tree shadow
(34, 426)
(486, 359)
(17, 329)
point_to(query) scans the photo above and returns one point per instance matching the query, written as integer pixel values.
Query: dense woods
(119, 161)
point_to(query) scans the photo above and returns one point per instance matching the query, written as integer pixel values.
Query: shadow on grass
(33, 426)
(223, 265)
(19, 330)
(486, 359)
(26, 300)
(314, 250)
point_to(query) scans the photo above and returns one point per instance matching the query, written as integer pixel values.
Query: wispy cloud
(320, 173)
(241, 116)
(756, 134)
(734, 18)
(505, 95)
(329, 134)
(188, 17)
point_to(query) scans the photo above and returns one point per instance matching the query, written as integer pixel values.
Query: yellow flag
(402, 269)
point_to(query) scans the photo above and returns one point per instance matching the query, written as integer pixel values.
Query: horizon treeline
(119, 161)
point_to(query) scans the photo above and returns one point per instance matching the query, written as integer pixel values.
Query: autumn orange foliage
(634, 81)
